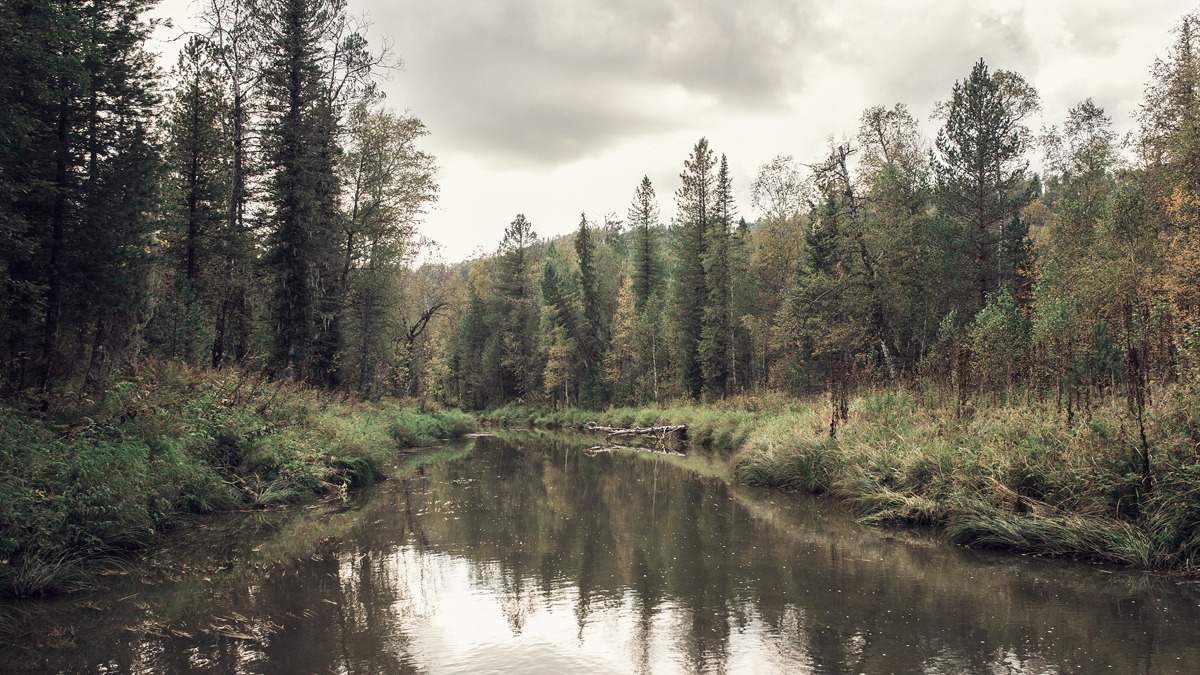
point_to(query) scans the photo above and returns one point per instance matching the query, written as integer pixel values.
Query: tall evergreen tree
(716, 333)
(81, 94)
(316, 65)
(696, 202)
(198, 165)
(518, 309)
(595, 318)
(647, 266)
(982, 183)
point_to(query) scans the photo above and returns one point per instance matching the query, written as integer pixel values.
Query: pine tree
(982, 182)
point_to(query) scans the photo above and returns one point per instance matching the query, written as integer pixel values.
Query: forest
(250, 216)
(256, 207)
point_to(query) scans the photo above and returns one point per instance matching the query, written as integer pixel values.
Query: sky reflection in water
(523, 554)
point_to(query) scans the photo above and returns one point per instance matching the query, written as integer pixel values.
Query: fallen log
(659, 432)
(596, 450)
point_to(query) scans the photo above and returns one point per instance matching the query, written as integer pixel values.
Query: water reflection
(529, 556)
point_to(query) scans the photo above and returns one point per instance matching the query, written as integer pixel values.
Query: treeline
(890, 260)
(254, 208)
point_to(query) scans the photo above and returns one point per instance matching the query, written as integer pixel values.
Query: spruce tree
(198, 166)
(643, 218)
(696, 203)
(716, 333)
(78, 98)
(312, 70)
(518, 309)
(594, 340)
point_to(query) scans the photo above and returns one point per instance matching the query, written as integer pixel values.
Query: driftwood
(660, 433)
(597, 449)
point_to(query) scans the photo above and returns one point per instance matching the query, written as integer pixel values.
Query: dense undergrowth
(1011, 475)
(83, 480)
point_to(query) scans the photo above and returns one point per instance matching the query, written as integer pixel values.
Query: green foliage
(1011, 477)
(647, 266)
(94, 479)
(999, 340)
(696, 201)
(981, 182)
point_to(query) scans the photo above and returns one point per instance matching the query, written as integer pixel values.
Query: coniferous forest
(245, 225)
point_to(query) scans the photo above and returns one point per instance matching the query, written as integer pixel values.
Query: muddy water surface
(526, 554)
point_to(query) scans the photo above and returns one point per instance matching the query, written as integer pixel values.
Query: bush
(92, 479)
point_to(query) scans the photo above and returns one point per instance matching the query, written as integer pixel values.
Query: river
(524, 553)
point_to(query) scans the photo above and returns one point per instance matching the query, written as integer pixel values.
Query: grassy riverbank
(1009, 475)
(724, 425)
(83, 480)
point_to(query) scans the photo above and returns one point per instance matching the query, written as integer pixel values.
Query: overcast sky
(553, 107)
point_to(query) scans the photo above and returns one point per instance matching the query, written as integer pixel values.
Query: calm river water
(523, 553)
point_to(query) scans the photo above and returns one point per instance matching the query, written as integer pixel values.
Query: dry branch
(661, 433)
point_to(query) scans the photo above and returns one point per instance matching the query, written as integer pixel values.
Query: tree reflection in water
(526, 554)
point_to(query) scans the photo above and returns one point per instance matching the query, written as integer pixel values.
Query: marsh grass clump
(87, 480)
(1010, 475)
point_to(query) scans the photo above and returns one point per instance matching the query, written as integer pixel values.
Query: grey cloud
(542, 81)
(1009, 30)
(914, 55)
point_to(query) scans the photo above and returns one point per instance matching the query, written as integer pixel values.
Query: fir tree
(716, 333)
(518, 307)
(643, 218)
(696, 202)
(594, 340)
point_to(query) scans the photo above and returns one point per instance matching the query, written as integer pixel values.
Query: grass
(1014, 476)
(723, 425)
(1008, 474)
(87, 480)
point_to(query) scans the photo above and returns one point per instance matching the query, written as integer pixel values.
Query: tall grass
(1007, 473)
(723, 425)
(88, 479)
(1010, 476)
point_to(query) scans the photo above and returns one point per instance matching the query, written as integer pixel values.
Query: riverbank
(1010, 475)
(85, 480)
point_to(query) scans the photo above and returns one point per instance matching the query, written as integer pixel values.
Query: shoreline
(1010, 476)
(88, 482)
